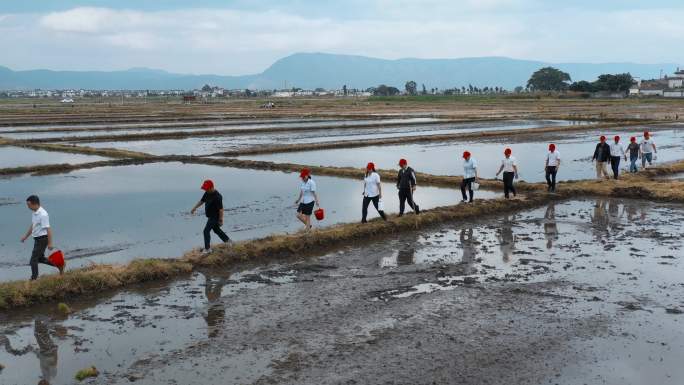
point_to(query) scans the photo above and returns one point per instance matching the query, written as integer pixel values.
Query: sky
(236, 37)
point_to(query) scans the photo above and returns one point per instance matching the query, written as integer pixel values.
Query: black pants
(213, 224)
(615, 165)
(551, 172)
(508, 183)
(38, 255)
(467, 182)
(406, 195)
(364, 209)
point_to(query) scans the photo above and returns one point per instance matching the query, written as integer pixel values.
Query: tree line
(553, 79)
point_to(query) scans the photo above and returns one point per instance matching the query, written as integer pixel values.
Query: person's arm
(316, 198)
(221, 217)
(28, 233)
(380, 189)
(414, 180)
(515, 168)
(500, 169)
(595, 157)
(655, 150)
(49, 235)
(194, 208)
(301, 194)
(398, 179)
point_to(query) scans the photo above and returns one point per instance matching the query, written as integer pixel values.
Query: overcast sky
(246, 36)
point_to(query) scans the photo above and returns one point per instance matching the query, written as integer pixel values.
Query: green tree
(614, 83)
(582, 86)
(548, 79)
(206, 88)
(384, 90)
(424, 91)
(411, 87)
(344, 90)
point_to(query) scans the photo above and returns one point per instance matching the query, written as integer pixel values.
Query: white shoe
(206, 251)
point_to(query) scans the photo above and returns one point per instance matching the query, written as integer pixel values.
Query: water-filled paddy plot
(11, 157)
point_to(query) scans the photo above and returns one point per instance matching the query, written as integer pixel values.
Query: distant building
(669, 87)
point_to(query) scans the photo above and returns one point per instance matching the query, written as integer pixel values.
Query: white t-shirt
(371, 182)
(508, 164)
(553, 159)
(647, 146)
(308, 189)
(616, 149)
(469, 167)
(41, 223)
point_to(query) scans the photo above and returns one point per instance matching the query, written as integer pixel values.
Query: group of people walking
(613, 153)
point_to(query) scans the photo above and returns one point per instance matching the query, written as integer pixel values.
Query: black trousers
(508, 183)
(467, 182)
(406, 195)
(38, 255)
(551, 172)
(615, 165)
(213, 224)
(364, 209)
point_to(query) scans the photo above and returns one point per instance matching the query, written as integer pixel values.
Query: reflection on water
(550, 225)
(506, 238)
(216, 311)
(47, 350)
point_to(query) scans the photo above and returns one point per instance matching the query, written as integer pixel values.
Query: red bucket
(320, 214)
(57, 258)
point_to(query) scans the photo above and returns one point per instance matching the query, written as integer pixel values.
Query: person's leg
(506, 184)
(599, 172)
(37, 255)
(364, 209)
(402, 201)
(376, 203)
(207, 235)
(463, 189)
(613, 166)
(554, 172)
(647, 157)
(411, 203)
(217, 229)
(548, 178)
(470, 188)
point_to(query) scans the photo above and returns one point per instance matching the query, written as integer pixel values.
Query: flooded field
(115, 214)
(577, 292)
(576, 151)
(21, 157)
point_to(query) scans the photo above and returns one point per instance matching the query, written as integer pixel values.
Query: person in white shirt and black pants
(648, 148)
(617, 152)
(469, 176)
(510, 171)
(551, 166)
(42, 236)
(307, 198)
(372, 192)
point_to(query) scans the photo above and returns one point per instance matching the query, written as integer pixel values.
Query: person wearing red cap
(634, 152)
(372, 192)
(406, 184)
(469, 175)
(648, 149)
(617, 152)
(602, 156)
(213, 209)
(307, 198)
(551, 165)
(510, 170)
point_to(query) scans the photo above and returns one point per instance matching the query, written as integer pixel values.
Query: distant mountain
(312, 70)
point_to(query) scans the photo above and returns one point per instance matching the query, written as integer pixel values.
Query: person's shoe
(464, 201)
(400, 215)
(206, 251)
(417, 210)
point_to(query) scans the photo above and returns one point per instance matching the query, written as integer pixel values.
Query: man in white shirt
(648, 148)
(551, 166)
(617, 152)
(42, 235)
(510, 171)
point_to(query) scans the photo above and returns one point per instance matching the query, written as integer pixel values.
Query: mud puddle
(115, 214)
(446, 158)
(11, 157)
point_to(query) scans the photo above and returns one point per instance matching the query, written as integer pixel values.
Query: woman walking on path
(372, 192)
(551, 166)
(469, 176)
(601, 156)
(634, 152)
(406, 184)
(617, 152)
(510, 171)
(648, 149)
(307, 198)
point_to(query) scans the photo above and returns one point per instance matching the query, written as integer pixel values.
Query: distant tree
(582, 86)
(206, 88)
(411, 87)
(518, 89)
(344, 90)
(320, 89)
(548, 79)
(424, 91)
(248, 93)
(463, 89)
(614, 83)
(384, 90)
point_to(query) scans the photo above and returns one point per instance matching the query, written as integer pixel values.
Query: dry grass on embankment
(72, 149)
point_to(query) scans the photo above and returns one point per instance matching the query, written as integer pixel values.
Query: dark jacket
(406, 178)
(602, 152)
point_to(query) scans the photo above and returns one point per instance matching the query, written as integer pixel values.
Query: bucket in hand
(57, 258)
(320, 214)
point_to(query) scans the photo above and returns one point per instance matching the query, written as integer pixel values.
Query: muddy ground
(579, 292)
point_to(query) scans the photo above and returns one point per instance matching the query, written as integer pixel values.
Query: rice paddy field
(577, 286)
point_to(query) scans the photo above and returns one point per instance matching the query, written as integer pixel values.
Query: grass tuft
(87, 373)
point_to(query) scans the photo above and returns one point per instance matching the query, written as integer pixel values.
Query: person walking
(510, 171)
(617, 152)
(307, 198)
(601, 157)
(372, 192)
(469, 176)
(634, 150)
(406, 184)
(551, 165)
(648, 149)
(213, 209)
(41, 232)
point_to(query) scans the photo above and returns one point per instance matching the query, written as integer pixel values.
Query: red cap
(508, 151)
(617, 138)
(402, 162)
(466, 154)
(632, 139)
(602, 138)
(207, 185)
(304, 173)
(370, 166)
(647, 134)
(552, 147)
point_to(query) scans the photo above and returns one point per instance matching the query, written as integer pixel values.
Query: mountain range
(330, 71)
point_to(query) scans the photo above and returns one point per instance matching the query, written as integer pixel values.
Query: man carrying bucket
(42, 236)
